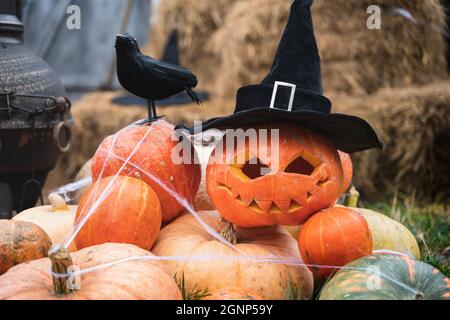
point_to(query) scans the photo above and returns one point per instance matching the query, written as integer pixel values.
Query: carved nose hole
(254, 168)
(300, 166)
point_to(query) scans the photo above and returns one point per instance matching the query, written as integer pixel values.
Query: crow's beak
(120, 38)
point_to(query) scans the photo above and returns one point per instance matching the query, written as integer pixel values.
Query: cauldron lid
(11, 28)
(10, 22)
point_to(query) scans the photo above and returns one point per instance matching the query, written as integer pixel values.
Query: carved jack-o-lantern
(274, 181)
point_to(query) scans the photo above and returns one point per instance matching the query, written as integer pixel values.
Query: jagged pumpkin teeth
(264, 205)
(253, 205)
(295, 205)
(283, 204)
(274, 208)
(235, 194)
(246, 200)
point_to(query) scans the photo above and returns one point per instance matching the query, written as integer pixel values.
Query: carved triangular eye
(254, 168)
(300, 166)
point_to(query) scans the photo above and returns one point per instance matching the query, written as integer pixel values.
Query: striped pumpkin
(129, 213)
(387, 277)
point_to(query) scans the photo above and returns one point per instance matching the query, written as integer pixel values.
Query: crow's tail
(193, 95)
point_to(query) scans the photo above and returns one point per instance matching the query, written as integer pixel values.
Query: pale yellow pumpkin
(220, 266)
(389, 234)
(56, 219)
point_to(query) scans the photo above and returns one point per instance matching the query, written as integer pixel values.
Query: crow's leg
(151, 110)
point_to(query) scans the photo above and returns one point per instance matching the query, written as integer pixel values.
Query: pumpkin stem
(57, 202)
(419, 296)
(351, 199)
(62, 266)
(228, 232)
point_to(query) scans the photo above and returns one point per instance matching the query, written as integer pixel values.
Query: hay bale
(195, 21)
(402, 53)
(247, 41)
(414, 123)
(355, 60)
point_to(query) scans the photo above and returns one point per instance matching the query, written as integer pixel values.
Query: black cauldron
(35, 120)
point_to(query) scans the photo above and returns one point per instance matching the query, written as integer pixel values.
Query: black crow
(149, 78)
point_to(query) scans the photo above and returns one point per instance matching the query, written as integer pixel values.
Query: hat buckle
(275, 90)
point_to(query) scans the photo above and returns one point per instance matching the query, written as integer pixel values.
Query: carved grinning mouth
(304, 164)
(266, 206)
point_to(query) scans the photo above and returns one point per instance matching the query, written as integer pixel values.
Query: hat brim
(348, 133)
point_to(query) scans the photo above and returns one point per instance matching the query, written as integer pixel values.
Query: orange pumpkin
(347, 169)
(334, 237)
(21, 241)
(302, 175)
(233, 294)
(130, 213)
(127, 280)
(152, 156)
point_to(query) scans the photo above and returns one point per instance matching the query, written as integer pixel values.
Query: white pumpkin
(56, 219)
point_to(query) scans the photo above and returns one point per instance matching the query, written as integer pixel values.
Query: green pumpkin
(387, 277)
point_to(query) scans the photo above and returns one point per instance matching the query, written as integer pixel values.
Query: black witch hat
(292, 92)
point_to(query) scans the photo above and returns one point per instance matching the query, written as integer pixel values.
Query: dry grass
(414, 124)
